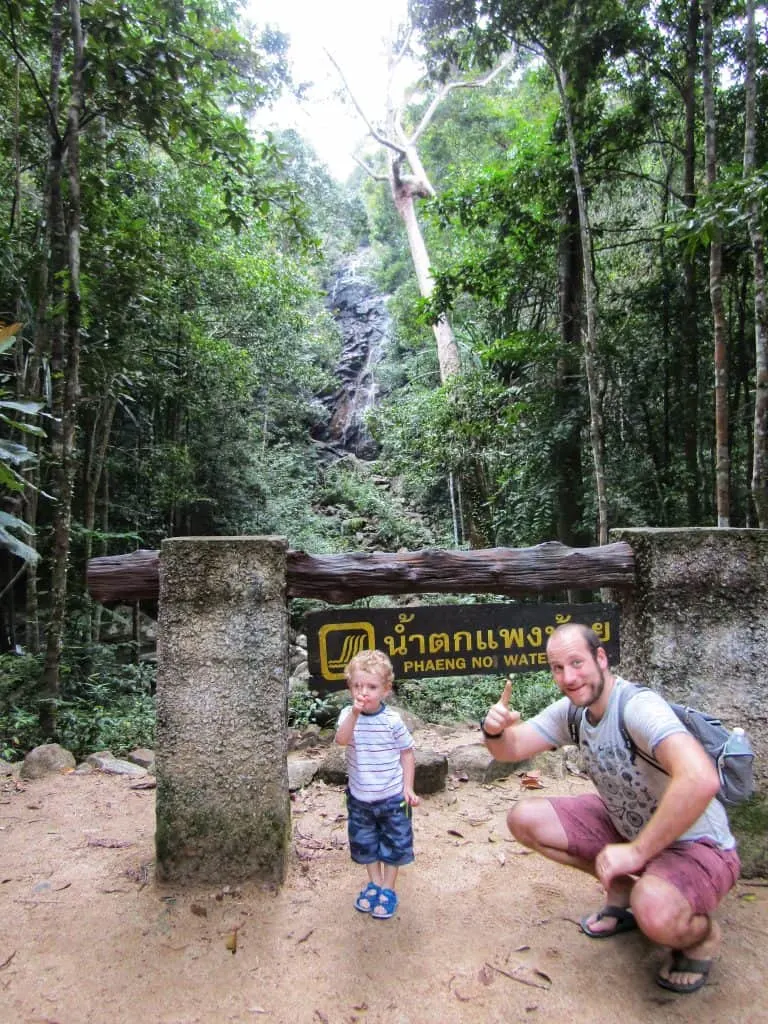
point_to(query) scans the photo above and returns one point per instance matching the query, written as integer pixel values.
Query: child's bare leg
(388, 875)
(375, 873)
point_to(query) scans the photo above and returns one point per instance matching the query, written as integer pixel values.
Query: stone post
(223, 808)
(694, 625)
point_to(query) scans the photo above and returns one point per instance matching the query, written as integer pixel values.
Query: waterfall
(361, 313)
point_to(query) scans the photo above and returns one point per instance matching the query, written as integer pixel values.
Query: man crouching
(657, 838)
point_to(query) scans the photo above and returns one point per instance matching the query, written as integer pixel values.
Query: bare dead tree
(408, 181)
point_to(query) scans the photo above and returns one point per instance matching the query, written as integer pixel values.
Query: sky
(354, 31)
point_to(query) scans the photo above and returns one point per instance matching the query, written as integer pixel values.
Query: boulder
(473, 762)
(143, 757)
(47, 760)
(105, 761)
(431, 770)
(301, 772)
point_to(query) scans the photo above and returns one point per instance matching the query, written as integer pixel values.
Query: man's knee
(526, 819)
(662, 912)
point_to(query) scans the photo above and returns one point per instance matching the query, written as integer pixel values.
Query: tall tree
(760, 441)
(575, 40)
(722, 457)
(64, 211)
(144, 70)
(408, 181)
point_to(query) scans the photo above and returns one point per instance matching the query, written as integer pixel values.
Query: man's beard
(598, 691)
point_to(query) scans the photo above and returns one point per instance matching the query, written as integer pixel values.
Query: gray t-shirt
(630, 791)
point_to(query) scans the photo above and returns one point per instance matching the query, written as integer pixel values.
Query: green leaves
(13, 454)
(8, 523)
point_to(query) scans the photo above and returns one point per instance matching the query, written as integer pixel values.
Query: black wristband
(490, 735)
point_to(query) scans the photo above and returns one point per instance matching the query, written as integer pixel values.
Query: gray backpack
(730, 750)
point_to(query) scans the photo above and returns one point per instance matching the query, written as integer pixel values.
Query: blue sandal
(367, 898)
(386, 905)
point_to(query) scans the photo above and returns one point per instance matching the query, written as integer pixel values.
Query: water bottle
(735, 764)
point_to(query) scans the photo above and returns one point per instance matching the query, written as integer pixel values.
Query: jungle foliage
(166, 347)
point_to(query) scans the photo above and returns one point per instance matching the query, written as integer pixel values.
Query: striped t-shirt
(373, 754)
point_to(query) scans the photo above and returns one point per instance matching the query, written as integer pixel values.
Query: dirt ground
(485, 932)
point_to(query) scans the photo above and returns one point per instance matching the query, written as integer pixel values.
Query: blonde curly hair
(375, 662)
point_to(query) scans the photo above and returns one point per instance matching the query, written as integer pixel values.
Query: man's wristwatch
(490, 735)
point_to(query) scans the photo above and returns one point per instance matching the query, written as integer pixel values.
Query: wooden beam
(342, 578)
(134, 576)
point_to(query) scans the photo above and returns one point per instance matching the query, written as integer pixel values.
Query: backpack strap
(575, 715)
(626, 693)
(625, 696)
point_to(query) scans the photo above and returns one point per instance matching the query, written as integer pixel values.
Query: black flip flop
(682, 964)
(625, 922)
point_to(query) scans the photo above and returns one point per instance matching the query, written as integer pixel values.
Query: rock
(333, 769)
(143, 757)
(47, 760)
(301, 772)
(557, 764)
(475, 763)
(300, 675)
(364, 323)
(296, 655)
(105, 761)
(308, 738)
(431, 770)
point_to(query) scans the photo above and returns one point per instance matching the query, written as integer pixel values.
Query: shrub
(120, 725)
(468, 698)
(308, 708)
(103, 705)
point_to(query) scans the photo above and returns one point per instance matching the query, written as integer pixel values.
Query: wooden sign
(448, 640)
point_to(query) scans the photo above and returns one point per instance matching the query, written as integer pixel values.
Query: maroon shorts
(698, 869)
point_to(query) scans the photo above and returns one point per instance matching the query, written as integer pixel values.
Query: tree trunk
(568, 398)
(689, 382)
(591, 354)
(341, 579)
(95, 457)
(759, 485)
(65, 368)
(722, 455)
(405, 190)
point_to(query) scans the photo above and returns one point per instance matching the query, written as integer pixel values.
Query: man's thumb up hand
(501, 716)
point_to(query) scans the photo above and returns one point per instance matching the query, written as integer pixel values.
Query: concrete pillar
(694, 625)
(223, 808)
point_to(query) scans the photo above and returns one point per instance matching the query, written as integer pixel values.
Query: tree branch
(374, 132)
(369, 170)
(476, 83)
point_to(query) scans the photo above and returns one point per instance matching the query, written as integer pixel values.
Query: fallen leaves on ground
(531, 780)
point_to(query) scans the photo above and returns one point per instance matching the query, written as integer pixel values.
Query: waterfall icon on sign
(339, 642)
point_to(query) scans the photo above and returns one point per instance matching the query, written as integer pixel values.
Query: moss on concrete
(219, 843)
(749, 822)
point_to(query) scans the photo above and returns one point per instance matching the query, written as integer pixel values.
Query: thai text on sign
(448, 640)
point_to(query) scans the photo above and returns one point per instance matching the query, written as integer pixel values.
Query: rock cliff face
(362, 316)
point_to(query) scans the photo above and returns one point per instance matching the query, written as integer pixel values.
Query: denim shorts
(380, 831)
